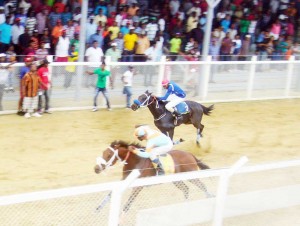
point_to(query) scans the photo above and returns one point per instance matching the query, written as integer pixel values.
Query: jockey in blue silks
(157, 144)
(174, 95)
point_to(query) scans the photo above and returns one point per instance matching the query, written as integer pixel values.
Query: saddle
(182, 108)
(167, 162)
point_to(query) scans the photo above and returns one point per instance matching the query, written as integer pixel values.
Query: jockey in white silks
(174, 95)
(157, 144)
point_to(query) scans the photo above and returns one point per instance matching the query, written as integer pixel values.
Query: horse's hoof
(198, 143)
(181, 140)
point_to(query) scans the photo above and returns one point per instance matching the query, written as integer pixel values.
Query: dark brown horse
(119, 150)
(164, 120)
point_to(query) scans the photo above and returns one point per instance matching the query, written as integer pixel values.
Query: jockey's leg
(156, 152)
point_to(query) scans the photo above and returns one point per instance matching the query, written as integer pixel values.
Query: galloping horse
(119, 150)
(164, 120)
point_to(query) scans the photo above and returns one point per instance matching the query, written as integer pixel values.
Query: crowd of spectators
(143, 30)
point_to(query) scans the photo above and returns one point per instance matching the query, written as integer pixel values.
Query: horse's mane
(125, 144)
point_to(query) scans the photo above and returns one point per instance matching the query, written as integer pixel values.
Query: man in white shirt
(93, 54)
(152, 54)
(127, 81)
(17, 30)
(62, 48)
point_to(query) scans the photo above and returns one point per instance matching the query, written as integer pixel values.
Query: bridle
(107, 164)
(146, 104)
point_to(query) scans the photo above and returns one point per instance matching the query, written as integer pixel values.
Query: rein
(100, 161)
(146, 104)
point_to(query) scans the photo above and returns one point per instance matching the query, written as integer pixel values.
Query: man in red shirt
(43, 73)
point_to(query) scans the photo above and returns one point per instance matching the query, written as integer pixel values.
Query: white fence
(205, 81)
(273, 189)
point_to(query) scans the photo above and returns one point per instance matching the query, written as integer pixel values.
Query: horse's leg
(198, 183)
(183, 187)
(136, 191)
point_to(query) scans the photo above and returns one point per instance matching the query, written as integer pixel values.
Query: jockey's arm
(140, 153)
(165, 97)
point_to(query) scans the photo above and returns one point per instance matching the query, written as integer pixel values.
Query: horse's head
(109, 157)
(142, 101)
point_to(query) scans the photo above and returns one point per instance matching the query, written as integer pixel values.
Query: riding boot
(177, 114)
(159, 167)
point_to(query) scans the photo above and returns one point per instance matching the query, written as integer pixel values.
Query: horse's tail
(207, 110)
(201, 165)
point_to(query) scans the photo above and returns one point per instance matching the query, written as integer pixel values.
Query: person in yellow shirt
(130, 40)
(114, 29)
(71, 69)
(142, 45)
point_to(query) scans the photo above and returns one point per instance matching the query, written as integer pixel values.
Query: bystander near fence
(204, 81)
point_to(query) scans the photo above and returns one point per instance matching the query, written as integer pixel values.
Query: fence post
(116, 197)
(290, 69)
(222, 190)
(161, 74)
(251, 77)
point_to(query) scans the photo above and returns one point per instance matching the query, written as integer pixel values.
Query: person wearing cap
(43, 73)
(130, 40)
(115, 55)
(30, 86)
(127, 79)
(5, 35)
(157, 144)
(102, 74)
(174, 95)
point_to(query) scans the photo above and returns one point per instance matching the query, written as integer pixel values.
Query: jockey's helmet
(140, 132)
(165, 82)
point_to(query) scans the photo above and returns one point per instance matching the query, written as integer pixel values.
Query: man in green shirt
(101, 85)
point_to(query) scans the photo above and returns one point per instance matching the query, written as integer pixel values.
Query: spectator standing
(24, 70)
(57, 32)
(175, 45)
(142, 44)
(115, 55)
(30, 86)
(5, 35)
(75, 42)
(20, 14)
(214, 52)
(45, 38)
(25, 4)
(31, 22)
(93, 54)
(3, 77)
(97, 37)
(66, 15)
(114, 29)
(35, 39)
(43, 73)
(130, 40)
(127, 79)
(53, 18)
(100, 18)
(152, 54)
(151, 29)
(225, 48)
(42, 52)
(107, 41)
(120, 42)
(192, 22)
(91, 28)
(275, 29)
(59, 5)
(245, 48)
(2, 15)
(71, 69)
(41, 18)
(102, 73)
(70, 29)
(62, 48)
(17, 30)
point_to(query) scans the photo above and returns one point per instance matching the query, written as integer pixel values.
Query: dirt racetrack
(59, 150)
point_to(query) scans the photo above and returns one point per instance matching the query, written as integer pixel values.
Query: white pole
(161, 75)
(116, 196)
(222, 190)
(251, 77)
(290, 70)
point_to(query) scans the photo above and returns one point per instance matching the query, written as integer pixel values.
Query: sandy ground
(59, 150)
